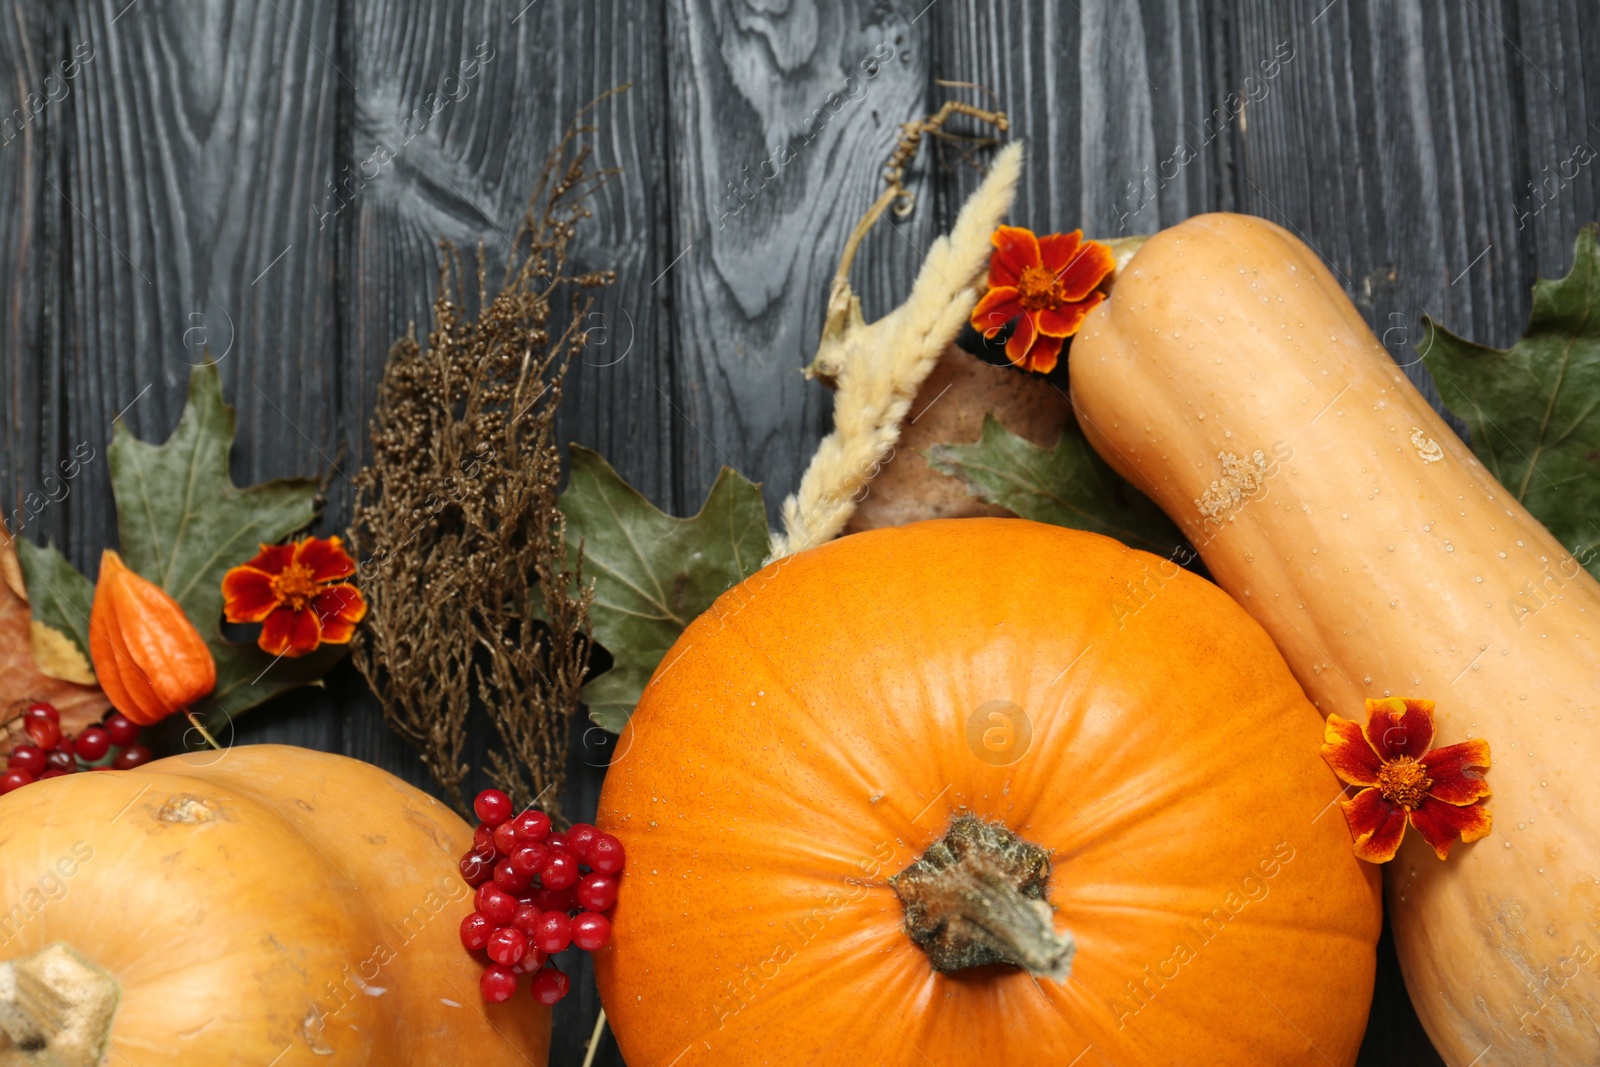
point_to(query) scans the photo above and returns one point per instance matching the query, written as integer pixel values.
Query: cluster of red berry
(534, 899)
(112, 745)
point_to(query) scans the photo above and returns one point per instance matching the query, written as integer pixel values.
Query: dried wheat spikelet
(878, 367)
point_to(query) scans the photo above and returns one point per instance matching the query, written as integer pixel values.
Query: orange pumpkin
(262, 905)
(930, 731)
(148, 657)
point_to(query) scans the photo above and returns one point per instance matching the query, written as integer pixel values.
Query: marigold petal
(1440, 823)
(326, 557)
(339, 608)
(1087, 269)
(290, 633)
(1022, 337)
(1399, 726)
(1044, 355)
(1057, 250)
(998, 307)
(247, 595)
(1065, 320)
(1346, 750)
(1455, 771)
(1015, 250)
(272, 559)
(1376, 825)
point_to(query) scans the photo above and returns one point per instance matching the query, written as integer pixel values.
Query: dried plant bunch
(474, 601)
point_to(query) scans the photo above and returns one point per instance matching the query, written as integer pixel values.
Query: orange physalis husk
(1048, 285)
(148, 657)
(1440, 792)
(295, 591)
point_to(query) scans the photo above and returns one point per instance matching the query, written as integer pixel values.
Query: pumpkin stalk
(55, 1009)
(978, 896)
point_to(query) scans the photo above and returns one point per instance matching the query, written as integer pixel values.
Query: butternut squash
(1231, 379)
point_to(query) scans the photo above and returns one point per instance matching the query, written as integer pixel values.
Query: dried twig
(465, 561)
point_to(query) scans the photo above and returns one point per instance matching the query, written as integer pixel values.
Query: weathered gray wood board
(268, 181)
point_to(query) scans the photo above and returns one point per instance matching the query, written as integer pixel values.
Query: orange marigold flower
(1048, 285)
(295, 592)
(1439, 792)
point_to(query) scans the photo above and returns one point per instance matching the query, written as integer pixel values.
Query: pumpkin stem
(55, 1009)
(978, 896)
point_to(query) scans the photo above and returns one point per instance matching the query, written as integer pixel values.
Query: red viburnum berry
(606, 854)
(477, 868)
(597, 892)
(27, 758)
(492, 806)
(526, 919)
(497, 984)
(496, 903)
(553, 933)
(549, 986)
(11, 781)
(129, 758)
(555, 900)
(505, 839)
(123, 730)
(475, 931)
(507, 946)
(92, 744)
(532, 959)
(46, 733)
(560, 870)
(591, 931)
(579, 834)
(508, 878)
(528, 860)
(532, 825)
(39, 709)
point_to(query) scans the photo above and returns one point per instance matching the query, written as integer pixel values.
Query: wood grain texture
(770, 103)
(32, 412)
(210, 175)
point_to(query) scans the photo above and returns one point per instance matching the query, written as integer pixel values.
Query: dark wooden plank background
(204, 177)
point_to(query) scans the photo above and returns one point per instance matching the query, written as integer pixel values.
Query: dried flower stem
(465, 562)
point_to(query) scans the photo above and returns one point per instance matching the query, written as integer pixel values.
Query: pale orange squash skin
(806, 739)
(320, 881)
(1380, 571)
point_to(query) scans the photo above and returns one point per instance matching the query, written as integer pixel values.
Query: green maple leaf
(59, 596)
(182, 523)
(1532, 407)
(1068, 485)
(653, 573)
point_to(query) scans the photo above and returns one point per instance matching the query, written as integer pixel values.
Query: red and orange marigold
(1048, 285)
(1440, 792)
(296, 591)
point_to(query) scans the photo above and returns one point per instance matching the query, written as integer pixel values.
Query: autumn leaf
(1068, 485)
(653, 573)
(182, 523)
(60, 598)
(1532, 408)
(20, 677)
